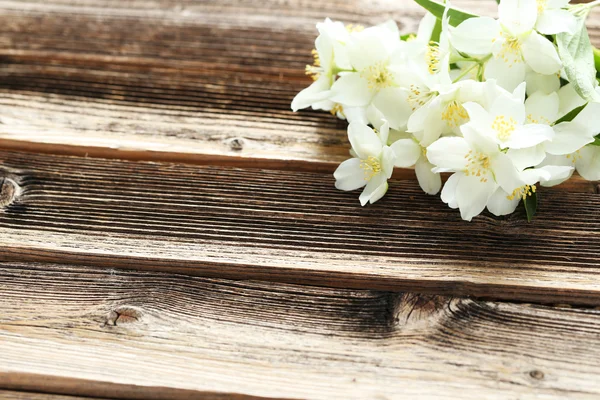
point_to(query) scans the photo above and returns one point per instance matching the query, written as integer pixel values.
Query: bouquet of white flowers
(503, 104)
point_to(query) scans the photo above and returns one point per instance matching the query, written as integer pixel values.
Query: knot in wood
(123, 315)
(236, 144)
(537, 374)
(9, 190)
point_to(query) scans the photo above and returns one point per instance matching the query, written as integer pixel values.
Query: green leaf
(596, 141)
(437, 31)
(575, 51)
(437, 9)
(531, 203)
(407, 37)
(570, 116)
(596, 61)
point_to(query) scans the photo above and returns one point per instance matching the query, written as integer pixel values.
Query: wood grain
(292, 227)
(150, 329)
(14, 395)
(201, 82)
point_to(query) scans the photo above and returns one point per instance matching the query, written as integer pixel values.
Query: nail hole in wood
(236, 144)
(536, 374)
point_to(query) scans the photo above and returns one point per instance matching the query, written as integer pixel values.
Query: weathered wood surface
(292, 227)
(274, 340)
(15, 395)
(202, 82)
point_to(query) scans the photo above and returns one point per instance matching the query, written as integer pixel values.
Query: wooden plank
(207, 82)
(147, 329)
(292, 227)
(14, 395)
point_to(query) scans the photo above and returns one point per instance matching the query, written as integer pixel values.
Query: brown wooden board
(143, 330)
(292, 227)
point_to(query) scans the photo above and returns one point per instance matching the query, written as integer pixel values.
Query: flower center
(504, 127)
(417, 97)
(523, 192)
(377, 75)
(510, 52)
(532, 120)
(455, 114)
(337, 109)
(315, 70)
(351, 28)
(372, 167)
(574, 157)
(478, 164)
(541, 5)
(433, 57)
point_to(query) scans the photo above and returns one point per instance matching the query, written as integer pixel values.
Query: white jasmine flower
(329, 58)
(553, 18)
(378, 57)
(444, 113)
(505, 123)
(512, 42)
(371, 166)
(479, 167)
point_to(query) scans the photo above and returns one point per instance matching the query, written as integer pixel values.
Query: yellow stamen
(377, 75)
(314, 71)
(372, 167)
(478, 164)
(433, 57)
(337, 108)
(455, 114)
(351, 28)
(523, 192)
(504, 127)
(541, 5)
(418, 97)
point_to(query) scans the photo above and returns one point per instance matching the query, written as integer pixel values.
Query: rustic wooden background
(169, 228)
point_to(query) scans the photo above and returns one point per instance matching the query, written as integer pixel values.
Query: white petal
(351, 90)
(568, 138)
(589, 118)
(393, 104)
(542, 108)
(388, 159)
(318, 91)
(569, 99)
(475, 36)
(478, 141)
(367, 49)
(588, 165)
(556, 174)
(557, 4)
(384, 133)
(349, 175)
(541, 83)
(508, 107)
(416, 122)
(507, 74)
(551, 22)
(407, 152)
(518, 16)
(449, 191)
(365, 142)
(478, 116)
(540, 54)
(529, 157)
(505, 173)
(426, 27)
(499, 204)
(448, 153)
(472, 195)
(529, 135)
(430, 182)
(357, 114)
(375, 190)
